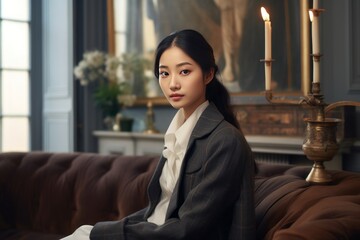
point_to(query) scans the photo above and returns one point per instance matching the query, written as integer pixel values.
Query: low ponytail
(219, 95)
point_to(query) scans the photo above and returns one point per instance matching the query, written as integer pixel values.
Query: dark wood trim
(111, 27)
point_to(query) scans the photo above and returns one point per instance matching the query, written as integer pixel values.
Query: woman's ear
(209, 76)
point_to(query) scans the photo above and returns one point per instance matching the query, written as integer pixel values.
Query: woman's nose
(174, 84)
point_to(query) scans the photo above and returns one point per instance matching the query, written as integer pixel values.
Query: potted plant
(112, 92)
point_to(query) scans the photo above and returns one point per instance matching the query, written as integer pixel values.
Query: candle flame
(264, 14)
(311, 15)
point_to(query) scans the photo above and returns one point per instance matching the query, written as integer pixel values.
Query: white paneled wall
(58, 133)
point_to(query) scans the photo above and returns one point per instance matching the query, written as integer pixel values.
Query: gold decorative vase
(320, 145)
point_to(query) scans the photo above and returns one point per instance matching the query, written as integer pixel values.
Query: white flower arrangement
(113, 77)
(102, 69)
(96, 66)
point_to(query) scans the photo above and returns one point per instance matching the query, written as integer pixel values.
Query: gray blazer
(213, 198)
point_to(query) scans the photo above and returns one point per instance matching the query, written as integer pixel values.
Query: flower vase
(111, 124)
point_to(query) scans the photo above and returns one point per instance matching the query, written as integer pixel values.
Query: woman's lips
(176, 96)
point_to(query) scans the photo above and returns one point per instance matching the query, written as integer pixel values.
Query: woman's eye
(163, 74)
(184, 72)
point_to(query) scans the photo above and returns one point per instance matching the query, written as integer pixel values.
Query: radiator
(272, 158)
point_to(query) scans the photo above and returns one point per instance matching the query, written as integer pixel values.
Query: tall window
(126, 22)
(14, 75)
(120, 9)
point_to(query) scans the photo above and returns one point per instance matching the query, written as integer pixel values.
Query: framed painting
(234, 28)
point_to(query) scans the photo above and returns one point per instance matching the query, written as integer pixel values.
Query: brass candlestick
(150, 116)
(320, 142)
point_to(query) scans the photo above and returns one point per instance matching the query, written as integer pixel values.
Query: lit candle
(314, 18)
(267, 22)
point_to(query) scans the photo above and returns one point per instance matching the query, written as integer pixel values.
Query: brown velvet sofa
(48, 195)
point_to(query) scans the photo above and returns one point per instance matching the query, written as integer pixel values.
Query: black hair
(196, 46)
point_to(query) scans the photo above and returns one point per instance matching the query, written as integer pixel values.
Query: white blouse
(176, 140)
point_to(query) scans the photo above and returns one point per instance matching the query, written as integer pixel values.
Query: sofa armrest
(288, 207)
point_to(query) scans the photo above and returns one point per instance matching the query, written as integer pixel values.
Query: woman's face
(182, 80)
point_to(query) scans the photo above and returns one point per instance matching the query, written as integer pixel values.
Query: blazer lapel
(154, 189)
(207, 122)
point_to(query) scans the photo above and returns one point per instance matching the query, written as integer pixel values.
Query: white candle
(315, 4)
(314, 18)
(267, 22)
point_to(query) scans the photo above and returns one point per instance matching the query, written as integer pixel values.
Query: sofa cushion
(20, 234)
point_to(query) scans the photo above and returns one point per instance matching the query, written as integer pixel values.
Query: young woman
(203, 185)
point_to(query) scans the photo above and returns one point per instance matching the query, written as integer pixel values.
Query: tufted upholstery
(56, 193)
(48, 195)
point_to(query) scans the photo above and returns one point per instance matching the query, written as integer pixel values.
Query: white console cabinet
(269, 149)
(129, 143)
(132, 143)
